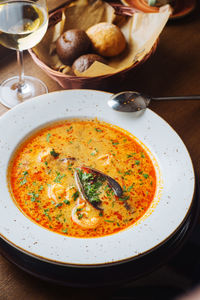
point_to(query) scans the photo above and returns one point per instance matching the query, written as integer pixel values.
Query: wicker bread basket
(99, 82)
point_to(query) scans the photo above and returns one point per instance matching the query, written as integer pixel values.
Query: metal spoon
(130, 101)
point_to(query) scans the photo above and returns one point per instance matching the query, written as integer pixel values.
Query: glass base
(10, 96)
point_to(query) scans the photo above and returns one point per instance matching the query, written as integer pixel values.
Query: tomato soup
(82, 178)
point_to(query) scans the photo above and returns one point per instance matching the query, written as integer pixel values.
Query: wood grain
(174, 69)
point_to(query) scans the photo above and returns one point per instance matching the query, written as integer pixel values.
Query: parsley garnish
(59, 204)
(33, 196)
(91, 185)
(130, 188)
(59, 177)
(145, 175)
(94, 152)
(75, 195)
(48, 137)
(115, 143)
(124, 198)
(24, 180)
(128, 172)
(54, 153)
(80, 216)
(137, 162)
(98, 130)
(66, 201)
(69, 129)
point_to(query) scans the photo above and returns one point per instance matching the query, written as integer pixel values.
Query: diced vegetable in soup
(82, 178)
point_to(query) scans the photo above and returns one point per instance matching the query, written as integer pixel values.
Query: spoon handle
(193, 97)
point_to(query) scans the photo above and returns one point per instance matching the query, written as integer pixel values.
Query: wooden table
(174, 69)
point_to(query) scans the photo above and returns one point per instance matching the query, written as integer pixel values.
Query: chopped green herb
(115, 143)
(48, 137)
(137, 162)
(46, 213)
(128, 172)
(142, 155)
(75, 195)
(145, 175)
(109, 221)
(54, 153)
(23, 181)
(80, 216)
(65, 230)
(91, 185)
(66, 201)
(124, 198)
(78, 209)
(59, 177)
(130, 188)
(46, 163)
(101, 214)
(69, 129)
(33, 196)
(69, 166)
(41, 188)
(98, 130)
(90, 141)
(94, 152)
(59, 204)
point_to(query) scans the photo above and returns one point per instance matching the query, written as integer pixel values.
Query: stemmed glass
(23, 24)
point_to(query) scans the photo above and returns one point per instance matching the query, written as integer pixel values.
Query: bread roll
(71, 44)
(107, 39)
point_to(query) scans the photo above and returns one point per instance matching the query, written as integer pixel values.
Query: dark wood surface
(174, 69)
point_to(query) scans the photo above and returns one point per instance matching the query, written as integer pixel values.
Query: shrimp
(106, 159)
(84, 215)
(56, 192)
(44, 155)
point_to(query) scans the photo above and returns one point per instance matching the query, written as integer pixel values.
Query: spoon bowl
(131, 101)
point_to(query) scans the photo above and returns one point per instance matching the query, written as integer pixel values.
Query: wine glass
(23, 24)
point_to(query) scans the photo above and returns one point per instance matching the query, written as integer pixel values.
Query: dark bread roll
(71, 44)
(83, 62)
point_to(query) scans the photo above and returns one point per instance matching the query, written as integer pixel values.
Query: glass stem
(20, 62)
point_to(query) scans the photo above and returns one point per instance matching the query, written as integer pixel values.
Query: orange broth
(44, 188)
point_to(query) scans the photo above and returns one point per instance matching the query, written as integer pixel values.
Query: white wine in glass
(22, 26)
